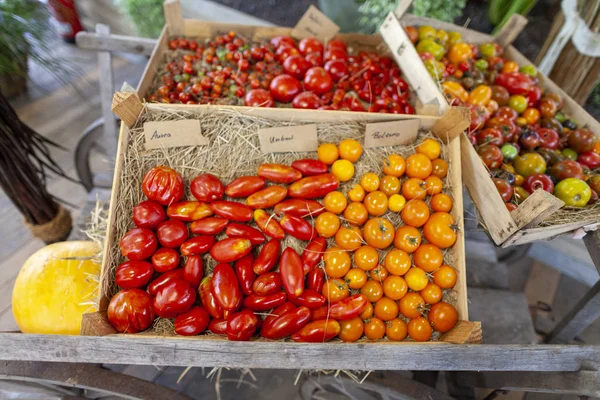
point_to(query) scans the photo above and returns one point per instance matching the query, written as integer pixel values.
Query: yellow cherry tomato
(453, 38)
(390, 185)
(335, 202)
(394, 165)
(357, 193)
(460, 52)
(396, 202)
(416, 279)
(370, 182)
(510, 66)
(328, 153)
(522, 122)
(481, 95)
(427, 32)
(455, 90)
(343, 170)
(350, 150)
(442, 37)
(430, 147)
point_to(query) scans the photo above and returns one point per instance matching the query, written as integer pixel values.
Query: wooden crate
(128, 107)
(520, 226)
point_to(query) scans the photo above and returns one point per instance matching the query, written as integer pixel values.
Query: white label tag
(315, 24)
(393, 133)
(284, 139)
(164, 134)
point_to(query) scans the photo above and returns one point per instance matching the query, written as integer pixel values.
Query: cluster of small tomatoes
(308, 74)
(520, 133)
(313, 295)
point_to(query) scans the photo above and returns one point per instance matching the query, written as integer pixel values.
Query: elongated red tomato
(134, 274)
(218, 326)
(268, 283)
(310, 299)
(244, 186)
(313, 254)
(207, 187)
(257, 302)
(174, 298)
(226, 288)
(163, 185)
(269, 225)
(241, 326)
(315, 280)
(348, 308)
(300, 208)
(208, 226)
(163, 279)
(279, 173)
(313, 187)
(286, 324)
(131, 311)
(232, 210)
(245, 273)
(165, 259)
(268, 257)
(193, 271)
(277, 312)
(208, 300)
(292, 273)
(192, 323)
(309, 167)
(318, 331)
(197, 245)
(255, 236)
(297, 227)
(267, 197)
(189, 211)
(228, 250)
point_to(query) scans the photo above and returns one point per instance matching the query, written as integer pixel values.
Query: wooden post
(453, 123)
(127, 106)
(511, 30)
(173, 17)
(107, 85)
(115, 43)
(536, 208)
(400, 10)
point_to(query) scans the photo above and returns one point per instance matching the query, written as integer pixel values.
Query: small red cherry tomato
(337, 69)
(197, 245)
(163, 185)
(313, 254)
(269, 225)
(130, 311)
(245, 273)
(292, 273)
(165, 259)
(286, 324)
(310, 167)
(306, 101)
(133, 274)
(245, 186)
(315, 280)
(164, 279)
(174, 298)
(318, 331)
(347, 308)
(208, 226)
(310, 299)
(257, 302)
(207, 298)
(279, 173)
(226, 288)
(318, 80)
(189, 211)
(172, 233)
(300, 208)
(207, 187)
(258, 98)
(255, 236)
(590, 159)
(297, 227)
(192, 323)
(267, 197)
(193, 271)
(268, 283)
(138, 244)
(232, 210)
(268, 257)
(310, 45)
(231, 249)
(313, 187)
(241, 326)
(148, 214)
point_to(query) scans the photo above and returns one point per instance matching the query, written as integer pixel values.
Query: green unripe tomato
(570, 154)
(435, 68)
(518, 103)
(529, 70)
(185, 77)
(431, 47)
(509, 152)
(481, 64)
(487, 50)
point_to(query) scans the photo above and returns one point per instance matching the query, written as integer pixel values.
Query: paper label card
(315, 24)
(283, 139)
(393, 133)
(165, 134)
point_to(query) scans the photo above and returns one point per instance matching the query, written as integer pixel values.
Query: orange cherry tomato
(367, 312)
(454, 90)
(510, 66)
(407, 238)
(375, 329)
(441, 202)
(416, 279)
(357, 193)
(532, 115)
(431, 294)
(373, 290)
(415, 213)
(414, 188)
(394, 165)
(395, 287)
(370, 182)
(349, 238)
(445, 277)
(335, 290)
(430, 147)
(386, 309)
(412, 305)
(335, 202)
(356, 278)
(440, 168)
(376, 203)
(418, 166)
(396, 329)
(351, 329)
(366, 258)
(350, 150)
(337, 262)
(440, 230)
(397, 262)
(492, 106)
(481, 95)
(328, 153)
(379, 233)
(327, 224)
(442, 316)
(428, 257)
(356, 213)
(419, 329)
(390, 185)
(379, 273)
(460, 52)
(433, 184)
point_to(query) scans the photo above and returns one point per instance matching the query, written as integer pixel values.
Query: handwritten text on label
(393, 133)
(315, 24)
(165, 134)
(288, 139)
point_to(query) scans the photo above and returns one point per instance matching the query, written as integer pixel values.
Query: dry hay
(234, 151)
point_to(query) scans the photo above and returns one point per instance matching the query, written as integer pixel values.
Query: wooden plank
(536, 208)
(545, 233)
(511, 30)
(107, 83)
(286, 355)
(127, 106)
(540, 289)
(156, 59)
(592, 243)
(568, 256)
(452, 124)
(115, 43)
(173, 17)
